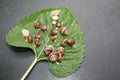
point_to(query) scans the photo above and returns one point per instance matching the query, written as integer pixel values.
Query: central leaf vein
(43, 48)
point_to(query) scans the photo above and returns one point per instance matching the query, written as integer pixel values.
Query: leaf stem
(29, 69)
(45, 58)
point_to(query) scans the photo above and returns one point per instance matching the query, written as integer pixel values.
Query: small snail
(71, 42)
(37, 36)
(64, 31)
(58, 24)
(64, 43)
(36, 25)
(53, 32)
(55, 17)
(44, 27)
(59, 58)
(53, 38)
(30, 39)
(48, 49)
(25, 32)
(37, 43)
(61, 50)
(54, 22)
(53, 57)
(55, 12)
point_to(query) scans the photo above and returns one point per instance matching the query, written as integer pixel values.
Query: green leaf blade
(72, 58)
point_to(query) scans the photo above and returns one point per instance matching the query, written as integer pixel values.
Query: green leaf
(71, 59)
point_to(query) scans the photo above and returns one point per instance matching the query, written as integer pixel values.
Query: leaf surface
(72, 58)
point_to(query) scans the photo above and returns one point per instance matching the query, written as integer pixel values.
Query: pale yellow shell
(25, 32)
(55, 12)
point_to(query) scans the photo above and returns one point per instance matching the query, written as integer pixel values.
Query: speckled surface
(100, 21)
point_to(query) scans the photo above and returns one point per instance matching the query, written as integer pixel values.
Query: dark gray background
(100, 21)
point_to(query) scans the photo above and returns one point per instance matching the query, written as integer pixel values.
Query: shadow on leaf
(21, 52)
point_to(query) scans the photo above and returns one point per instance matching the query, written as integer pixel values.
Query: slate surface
(100, 21)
